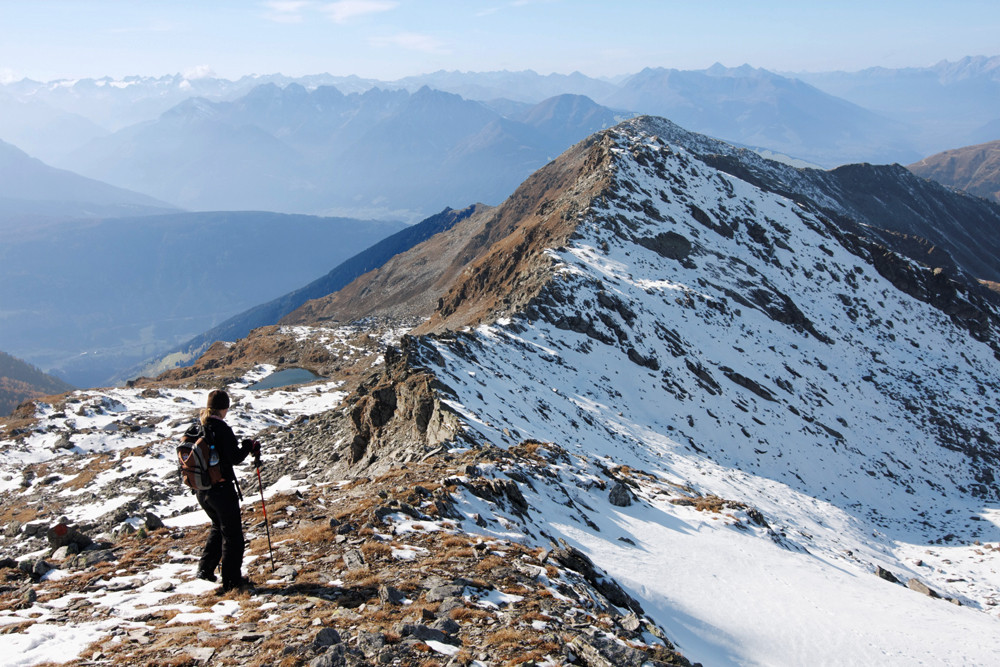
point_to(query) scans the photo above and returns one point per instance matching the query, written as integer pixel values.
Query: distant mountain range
(975, 169)
(322, 144)
(20, 381)
(948, 105)
(379, 153)
(87, 298)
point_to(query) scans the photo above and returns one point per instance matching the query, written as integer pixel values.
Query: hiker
(221, 502)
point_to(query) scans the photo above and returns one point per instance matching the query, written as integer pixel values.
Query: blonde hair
(205, 413)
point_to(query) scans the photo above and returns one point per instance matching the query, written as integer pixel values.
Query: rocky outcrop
(399, 414)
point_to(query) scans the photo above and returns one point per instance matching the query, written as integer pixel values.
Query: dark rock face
(575, 559)
(620, 495)
(667, 244)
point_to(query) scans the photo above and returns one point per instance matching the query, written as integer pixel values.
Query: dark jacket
(230, 450)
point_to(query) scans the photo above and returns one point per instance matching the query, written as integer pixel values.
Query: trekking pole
(260, 485)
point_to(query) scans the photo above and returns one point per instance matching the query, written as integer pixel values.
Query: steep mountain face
(757, 108)
(975, 169)
(87, 299)
(31, 187)
(716, 419)
(20, 381)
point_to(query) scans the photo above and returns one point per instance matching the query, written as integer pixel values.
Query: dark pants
(225, 539)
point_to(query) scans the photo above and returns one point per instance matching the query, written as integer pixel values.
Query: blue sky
(388, 39)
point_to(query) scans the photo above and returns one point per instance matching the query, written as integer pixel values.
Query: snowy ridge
(718, 337)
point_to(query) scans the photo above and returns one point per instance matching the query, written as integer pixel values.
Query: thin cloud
(199, 72)
(345, 10)
(412, 41)
(285, 11)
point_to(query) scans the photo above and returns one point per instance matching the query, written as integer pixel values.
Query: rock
(64, 552)
(32, 528)
(575, 559)
(13, 528)
(621, 495)
(353, 559)
(63, 534)
(163, 586)
(370, 643)
(886, 574)
(390, 595)
(8, 563)
(921, 587)
(202, 654)
(91, 558)
(286, 572)
(327, 637)
(631, 623)
(439, 593)
(667, 244)
(424, 633)
(447, 626)
(40, 569)
(448, 604)
(601, 651)
(334, 657)
(153, 522)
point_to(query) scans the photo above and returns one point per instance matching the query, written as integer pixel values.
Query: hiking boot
(206, 576)
(242, 585)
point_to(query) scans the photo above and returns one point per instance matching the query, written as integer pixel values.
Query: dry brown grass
(489, 563)
(468, 614)
(505, 638)
(536, 616)
(363, 578)
(455, 541)
(313, 533)
(376, 550)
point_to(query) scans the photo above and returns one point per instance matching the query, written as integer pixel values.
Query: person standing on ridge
(221, 502)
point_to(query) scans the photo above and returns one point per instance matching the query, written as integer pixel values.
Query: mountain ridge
(975, 169)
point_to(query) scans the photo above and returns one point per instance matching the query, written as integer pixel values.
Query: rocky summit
(670, 403)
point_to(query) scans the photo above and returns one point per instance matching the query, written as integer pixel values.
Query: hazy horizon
(50, 40)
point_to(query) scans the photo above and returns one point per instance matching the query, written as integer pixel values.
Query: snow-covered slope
(717, 338)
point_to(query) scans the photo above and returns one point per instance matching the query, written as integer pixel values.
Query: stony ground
(375, 571)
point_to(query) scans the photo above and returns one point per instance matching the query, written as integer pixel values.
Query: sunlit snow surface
(846, 477)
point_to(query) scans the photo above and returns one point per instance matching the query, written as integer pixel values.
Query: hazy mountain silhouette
(85, 299)
(29, 186)
(757, 108)
(381, 152)
(949, 104)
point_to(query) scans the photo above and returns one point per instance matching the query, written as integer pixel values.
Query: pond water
(287, 377)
